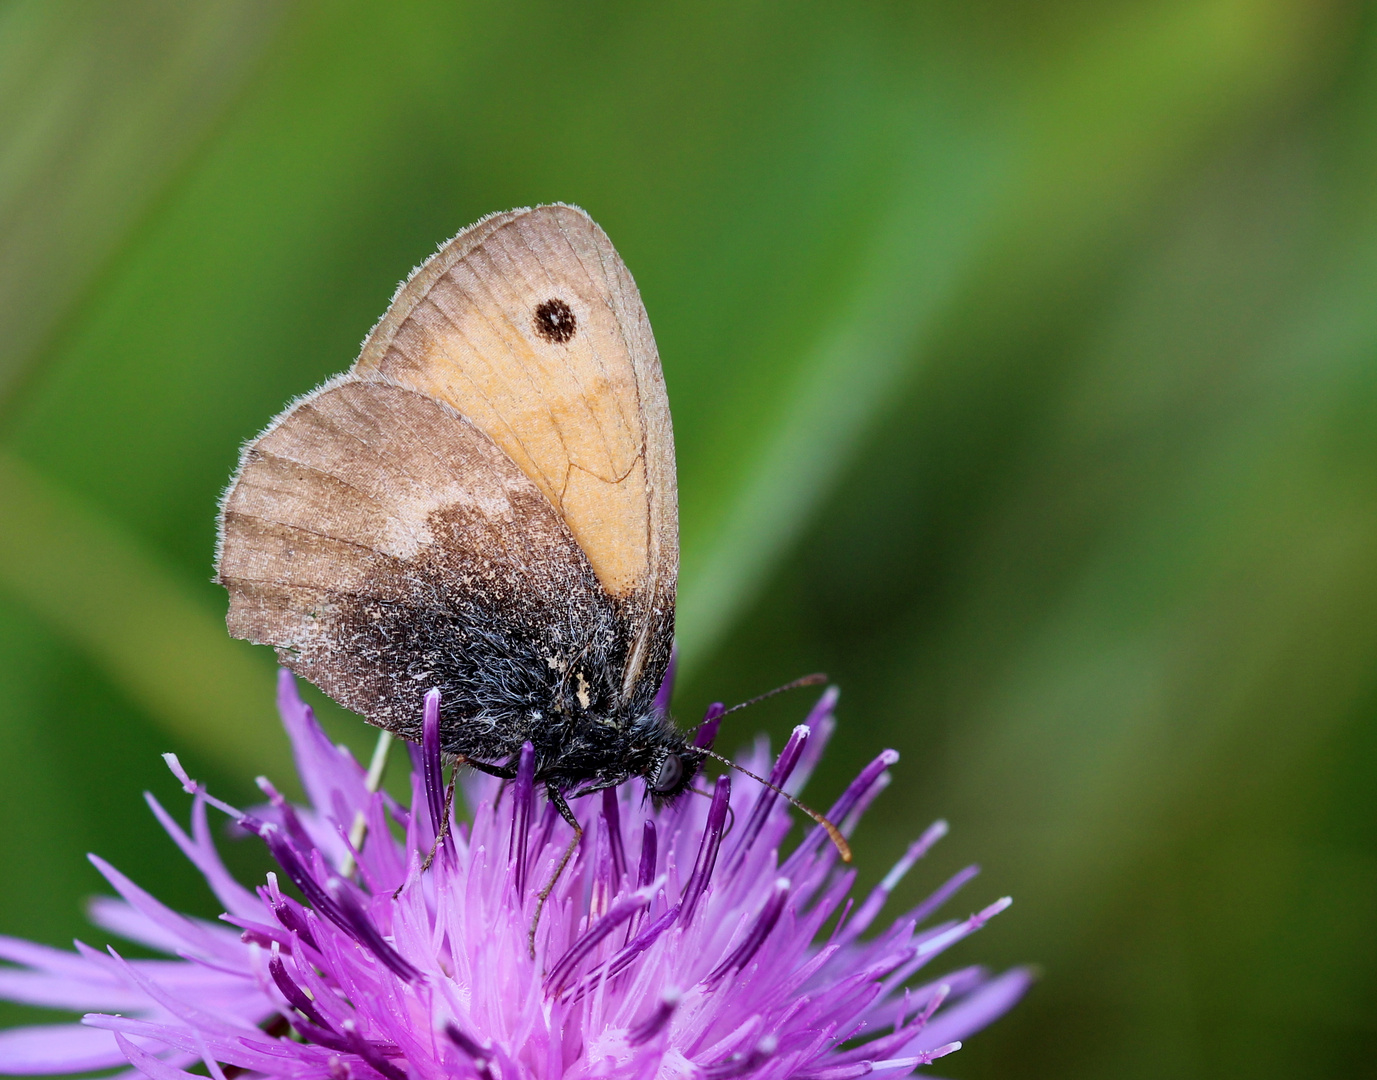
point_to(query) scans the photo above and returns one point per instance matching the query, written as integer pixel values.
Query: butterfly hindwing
(384, 546)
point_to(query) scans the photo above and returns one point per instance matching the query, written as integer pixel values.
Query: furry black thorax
(512, 668)
(520, 652)
(578, 757)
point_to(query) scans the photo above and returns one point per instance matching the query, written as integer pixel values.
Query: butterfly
(485, 503)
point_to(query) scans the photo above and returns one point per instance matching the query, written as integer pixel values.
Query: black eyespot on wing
(555, 322)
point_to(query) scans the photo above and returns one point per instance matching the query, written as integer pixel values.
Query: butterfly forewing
(530, 326)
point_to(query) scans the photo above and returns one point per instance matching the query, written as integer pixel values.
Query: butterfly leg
(558, 802)
(499, 771)
(482, 766)
(443, 830)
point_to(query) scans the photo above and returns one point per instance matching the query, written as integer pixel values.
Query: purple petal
(295, 996)
(44, 958)
(948, 889)
(92, 994)
(204, 857)
(622, 910)
(131, 924)
(476, 1052)
(212, 940)
(843, 806)
(523, 800)
(821, 722)
(250, 1051)
(646, 872)
(779, 776)
(323, 767)
(880, 894)
(656, 1022)
(149, 1065)
(194, 1015)
(973, 1012)
(707, 851)
(434, 766)
(666, 690)
(769, 915)
(56, 1048)
(611, 813)
(712, 720)
(367, 934)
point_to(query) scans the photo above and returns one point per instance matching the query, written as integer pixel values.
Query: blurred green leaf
(1071, 165)
(135, 619)
(100, 104)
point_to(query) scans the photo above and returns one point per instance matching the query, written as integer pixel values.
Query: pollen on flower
(675, 944)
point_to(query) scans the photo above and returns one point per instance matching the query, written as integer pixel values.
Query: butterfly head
(651, 748)
(672, 774)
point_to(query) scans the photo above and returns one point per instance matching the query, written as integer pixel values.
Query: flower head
(679, 941)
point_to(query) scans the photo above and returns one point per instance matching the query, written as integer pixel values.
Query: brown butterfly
(485, 503)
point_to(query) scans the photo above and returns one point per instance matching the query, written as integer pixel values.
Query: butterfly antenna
(838, 840)
(816, 679)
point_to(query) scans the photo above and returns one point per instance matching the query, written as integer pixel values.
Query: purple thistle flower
(675, 944)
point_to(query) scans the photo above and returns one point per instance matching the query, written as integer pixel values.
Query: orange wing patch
(530, 327)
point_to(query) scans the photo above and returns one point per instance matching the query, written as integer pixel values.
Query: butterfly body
(485, 505)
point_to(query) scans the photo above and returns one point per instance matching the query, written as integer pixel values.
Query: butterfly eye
(671, 772)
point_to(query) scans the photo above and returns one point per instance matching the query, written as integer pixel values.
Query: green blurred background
(1023, 360)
